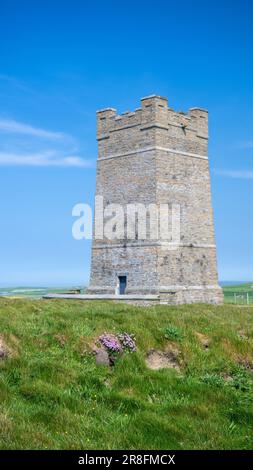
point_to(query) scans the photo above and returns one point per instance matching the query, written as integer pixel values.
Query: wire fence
(238, 298)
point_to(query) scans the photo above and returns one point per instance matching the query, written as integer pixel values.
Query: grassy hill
(54, 396)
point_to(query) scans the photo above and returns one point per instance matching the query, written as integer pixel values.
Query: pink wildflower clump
(110, 342)
(127, 341)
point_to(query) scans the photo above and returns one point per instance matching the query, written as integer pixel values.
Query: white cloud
(43, 159)
(15, 127)
(239, 174)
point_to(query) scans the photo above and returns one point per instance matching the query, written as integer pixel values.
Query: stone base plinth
(178, 295)
(132, 299)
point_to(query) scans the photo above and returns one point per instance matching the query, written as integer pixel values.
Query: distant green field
(238, 293)
(240, 290)
(35, 292)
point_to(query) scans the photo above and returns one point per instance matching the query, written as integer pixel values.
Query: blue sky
(60, 61)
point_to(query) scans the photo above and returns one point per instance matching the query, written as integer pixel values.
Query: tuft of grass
(173, 333)
(213, 380)
(54, 396)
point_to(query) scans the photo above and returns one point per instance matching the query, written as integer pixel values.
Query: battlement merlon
(199, 118)
(154, 110)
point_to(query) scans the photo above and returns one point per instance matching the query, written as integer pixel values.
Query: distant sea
(233, 283)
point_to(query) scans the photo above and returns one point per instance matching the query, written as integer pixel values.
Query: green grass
(54, 396)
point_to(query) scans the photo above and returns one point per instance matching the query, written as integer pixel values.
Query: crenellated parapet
(153, 124)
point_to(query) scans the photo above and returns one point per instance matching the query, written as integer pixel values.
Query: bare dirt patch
(156, 359)
(203, 339)
(227, 377)
(4, 350)
(61, 339)
(245, 362)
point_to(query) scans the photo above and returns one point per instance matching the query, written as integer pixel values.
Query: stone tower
(155, 155)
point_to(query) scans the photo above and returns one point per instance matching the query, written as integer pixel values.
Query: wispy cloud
(15, 127)
(44, 159)
(22, 144)
(239, 174)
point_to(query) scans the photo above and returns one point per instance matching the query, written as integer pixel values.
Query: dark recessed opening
(122, 284)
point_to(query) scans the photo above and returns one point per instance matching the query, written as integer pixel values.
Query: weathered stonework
(156, 155)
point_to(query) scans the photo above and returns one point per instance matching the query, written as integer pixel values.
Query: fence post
(235, 297)
(247, 298)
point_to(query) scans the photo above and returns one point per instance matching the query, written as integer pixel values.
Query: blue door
(122, 284)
